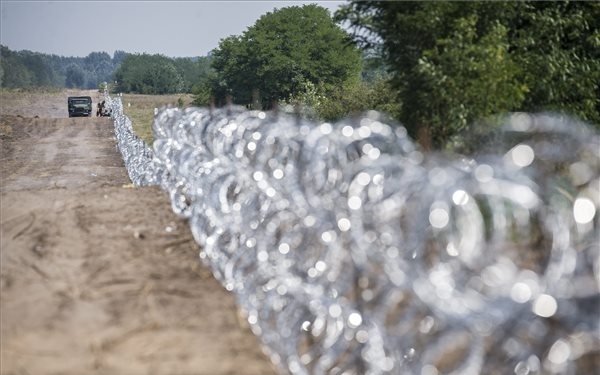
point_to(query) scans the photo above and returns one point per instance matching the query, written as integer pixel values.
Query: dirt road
(98, 277)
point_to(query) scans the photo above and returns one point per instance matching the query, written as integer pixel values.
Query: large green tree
(285, 53)
(557, 44)
(453, 63)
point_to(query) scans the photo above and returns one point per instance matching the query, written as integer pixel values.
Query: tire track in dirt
(98, 277)
(61, 153)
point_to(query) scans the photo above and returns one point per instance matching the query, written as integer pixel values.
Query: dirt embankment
(98, 277)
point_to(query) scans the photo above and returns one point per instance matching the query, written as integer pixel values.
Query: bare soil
(99, 277)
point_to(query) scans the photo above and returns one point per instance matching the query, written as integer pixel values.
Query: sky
(171, 28)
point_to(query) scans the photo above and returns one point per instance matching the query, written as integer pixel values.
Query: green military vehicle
(80, 106)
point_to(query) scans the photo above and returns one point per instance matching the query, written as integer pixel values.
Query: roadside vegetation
(455, 64)
(442, 69)
(140, 110)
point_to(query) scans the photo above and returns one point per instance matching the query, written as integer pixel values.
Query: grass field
(140, 109)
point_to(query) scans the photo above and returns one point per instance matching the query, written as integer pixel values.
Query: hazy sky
(171, 28)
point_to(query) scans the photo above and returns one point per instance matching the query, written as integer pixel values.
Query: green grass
(140, 109)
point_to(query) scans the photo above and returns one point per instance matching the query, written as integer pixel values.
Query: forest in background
(28, 69)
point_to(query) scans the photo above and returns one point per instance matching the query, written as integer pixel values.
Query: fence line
(352, 251)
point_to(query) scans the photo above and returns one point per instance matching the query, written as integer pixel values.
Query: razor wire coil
(352, 251)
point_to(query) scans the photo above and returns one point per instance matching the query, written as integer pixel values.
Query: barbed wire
(352, 251)
(136, 154)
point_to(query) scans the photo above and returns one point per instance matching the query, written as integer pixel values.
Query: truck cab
(79, 106)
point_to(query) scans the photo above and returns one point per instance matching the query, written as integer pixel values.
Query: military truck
(79, 106)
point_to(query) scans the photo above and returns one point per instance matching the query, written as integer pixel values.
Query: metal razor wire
(352, 251)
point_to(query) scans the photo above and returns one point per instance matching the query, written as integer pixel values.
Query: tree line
(141, 73)
(437, 67)
(158, 74)
(297, 57)
(19, 69)
(440, 68)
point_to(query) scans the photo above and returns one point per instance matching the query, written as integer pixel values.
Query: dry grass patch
(140, 109)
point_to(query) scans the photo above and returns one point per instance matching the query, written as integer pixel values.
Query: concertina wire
(351, 250)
